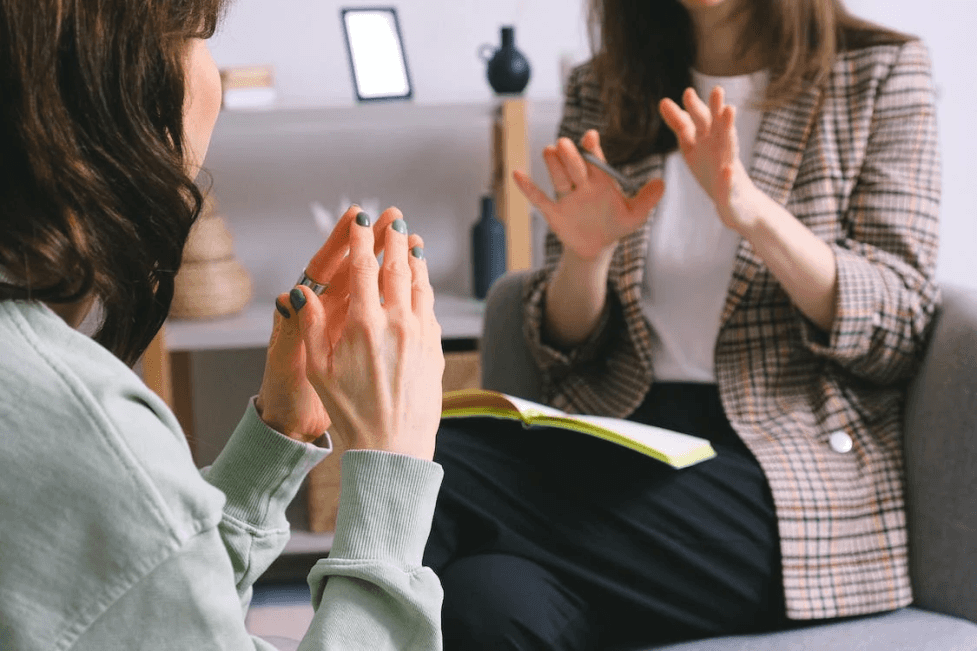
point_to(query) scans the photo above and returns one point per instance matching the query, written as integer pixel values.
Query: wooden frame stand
(510, 152)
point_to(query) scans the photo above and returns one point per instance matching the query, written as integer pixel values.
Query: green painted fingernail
(282, 309)
(297, 298)
(417, 252)
(363, 219)
(400, 226)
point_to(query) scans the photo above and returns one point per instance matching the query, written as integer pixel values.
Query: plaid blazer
(856, 161)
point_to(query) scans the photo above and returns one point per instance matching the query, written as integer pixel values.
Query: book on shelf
(673, 448)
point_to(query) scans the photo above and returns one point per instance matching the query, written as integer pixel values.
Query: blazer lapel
(777, 156)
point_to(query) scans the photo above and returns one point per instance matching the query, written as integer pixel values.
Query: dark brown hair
(95, 197)
(644, 52)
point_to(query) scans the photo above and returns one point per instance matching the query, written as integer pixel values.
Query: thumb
(285, 347)
(308, 325)
(647, 198)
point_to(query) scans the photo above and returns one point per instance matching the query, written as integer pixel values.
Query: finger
(415, 240)
(308, 326)
(728, 120)
(641, 204)
(395, 271)
(328, 258)
(281, 313)
(422, 294)
(697, 110)
(591, 142)
(286, 341)
(336, 320)
(726, 126)
(558, 171)
(380, 228)
(679, 122)
(532, 192)
(364, 270)
(572, 160)
(717, 99)
(339, 284)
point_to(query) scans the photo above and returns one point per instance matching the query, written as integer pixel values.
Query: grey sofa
(941, 456)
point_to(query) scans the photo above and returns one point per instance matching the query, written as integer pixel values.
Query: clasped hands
(363, 360)
(590, 213)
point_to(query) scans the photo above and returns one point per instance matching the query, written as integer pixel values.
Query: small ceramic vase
(508, 69)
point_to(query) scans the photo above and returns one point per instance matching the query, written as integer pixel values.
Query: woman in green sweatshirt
(110, 538)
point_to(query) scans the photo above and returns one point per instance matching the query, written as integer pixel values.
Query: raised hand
(590, 213)
(380, 378)
(286, 401)
(707, 138)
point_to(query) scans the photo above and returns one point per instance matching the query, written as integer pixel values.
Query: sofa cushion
(909, 629)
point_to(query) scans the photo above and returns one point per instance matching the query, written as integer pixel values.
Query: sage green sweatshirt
(111, 538)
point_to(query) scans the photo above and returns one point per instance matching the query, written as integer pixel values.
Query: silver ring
(317, 288)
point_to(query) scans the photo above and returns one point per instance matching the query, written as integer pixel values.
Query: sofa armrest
(507, 364)
(941, 462)
(941, 437)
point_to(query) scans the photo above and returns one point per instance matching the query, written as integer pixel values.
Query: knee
(501, 602)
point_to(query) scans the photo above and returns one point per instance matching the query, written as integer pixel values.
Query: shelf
(460, 318)
(306, 542)
(407, 117)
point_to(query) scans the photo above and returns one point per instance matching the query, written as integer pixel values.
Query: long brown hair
(644, 52)
(95, 197)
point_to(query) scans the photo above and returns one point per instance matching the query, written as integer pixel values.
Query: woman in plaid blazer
(825, 318)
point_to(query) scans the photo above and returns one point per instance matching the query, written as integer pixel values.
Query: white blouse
(691, 253)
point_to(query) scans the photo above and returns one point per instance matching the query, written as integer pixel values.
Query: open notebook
(676, 449)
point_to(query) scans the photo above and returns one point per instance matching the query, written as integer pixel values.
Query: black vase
(508, 69)
(488, 248)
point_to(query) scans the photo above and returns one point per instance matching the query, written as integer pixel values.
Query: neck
(72, 313)
(718, 33)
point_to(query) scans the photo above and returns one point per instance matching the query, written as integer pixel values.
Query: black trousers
(549, 539)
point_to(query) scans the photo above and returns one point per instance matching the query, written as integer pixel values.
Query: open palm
(590, 213)
(707, 139)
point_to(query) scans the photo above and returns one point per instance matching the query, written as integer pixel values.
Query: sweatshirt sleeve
(370, 594)
(260, 472)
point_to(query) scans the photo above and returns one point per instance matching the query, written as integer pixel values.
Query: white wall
(948, 27)
(303, 40)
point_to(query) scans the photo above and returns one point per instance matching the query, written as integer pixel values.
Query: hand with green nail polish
(380, 379)
(287, 402)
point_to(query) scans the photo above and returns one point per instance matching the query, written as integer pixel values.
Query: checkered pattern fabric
(856, 161)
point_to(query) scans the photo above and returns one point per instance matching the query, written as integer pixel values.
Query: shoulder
(890, 63)
(100, 436)
(583, 80)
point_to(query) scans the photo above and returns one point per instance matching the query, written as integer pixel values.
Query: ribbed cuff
(386, 507)
(260, 470)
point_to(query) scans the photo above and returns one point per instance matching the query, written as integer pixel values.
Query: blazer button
(840, 441)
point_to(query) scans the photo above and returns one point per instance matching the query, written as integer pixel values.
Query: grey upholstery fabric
(941, 463)
(507, 364)
(941, 448)
(908, 629)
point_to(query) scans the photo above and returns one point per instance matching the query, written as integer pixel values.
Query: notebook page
(672, 444)
(529, 408)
